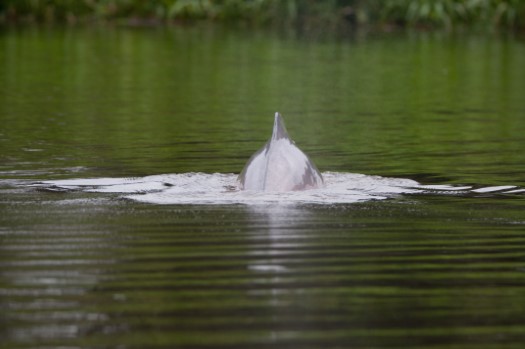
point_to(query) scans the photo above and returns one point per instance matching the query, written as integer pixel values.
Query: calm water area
(184, 107)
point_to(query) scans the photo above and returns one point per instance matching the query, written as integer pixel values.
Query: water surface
(120, 223)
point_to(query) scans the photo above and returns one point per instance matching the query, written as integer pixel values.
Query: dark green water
(93, 270)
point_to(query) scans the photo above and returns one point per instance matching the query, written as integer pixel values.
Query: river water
(121, 224)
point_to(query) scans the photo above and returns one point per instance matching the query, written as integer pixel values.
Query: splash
(220, 188)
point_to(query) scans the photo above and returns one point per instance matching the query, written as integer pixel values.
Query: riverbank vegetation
(447, 14)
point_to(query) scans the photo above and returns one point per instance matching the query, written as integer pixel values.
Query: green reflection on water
(398, 273)
(92, 270)
(136, 102)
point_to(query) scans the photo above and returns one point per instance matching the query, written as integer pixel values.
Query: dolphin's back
(280, 165)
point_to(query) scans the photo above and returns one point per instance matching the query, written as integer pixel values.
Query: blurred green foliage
(412, 13)
(449, 13)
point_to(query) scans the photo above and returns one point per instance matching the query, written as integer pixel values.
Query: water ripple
(221, 188)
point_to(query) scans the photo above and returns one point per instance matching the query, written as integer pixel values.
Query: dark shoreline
(502, 15)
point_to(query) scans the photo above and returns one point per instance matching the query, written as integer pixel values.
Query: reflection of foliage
(450, 12)
(445, 13)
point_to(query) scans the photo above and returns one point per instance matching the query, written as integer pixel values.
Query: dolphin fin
(280, 165)
(279, 130)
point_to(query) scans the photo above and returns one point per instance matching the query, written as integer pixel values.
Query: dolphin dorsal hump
(279, 130)
(280, 166)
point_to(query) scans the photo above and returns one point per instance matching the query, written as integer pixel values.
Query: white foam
(494, 189)
(515, 191)
(444, 187)
(221, 188)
